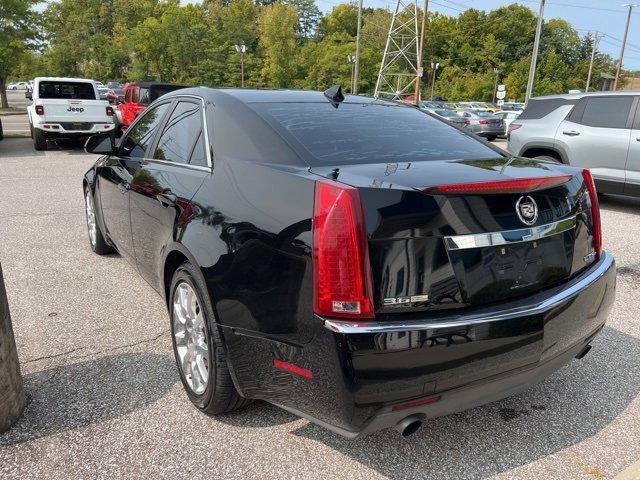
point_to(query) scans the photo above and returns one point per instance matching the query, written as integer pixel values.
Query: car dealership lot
(106, 401)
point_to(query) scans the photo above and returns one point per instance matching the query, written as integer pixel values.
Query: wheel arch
(535, 150)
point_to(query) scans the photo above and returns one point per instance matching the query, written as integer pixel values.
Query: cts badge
(407, 301)
(527, 210)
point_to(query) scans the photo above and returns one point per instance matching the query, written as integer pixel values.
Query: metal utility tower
(399, 69)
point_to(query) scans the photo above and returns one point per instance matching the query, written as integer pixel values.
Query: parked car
(507, 117)
(18, 86)
(451, 116)
(364, 267)
(66, 108)
(432, 104)
(114, 85)
(513, 106)
(599, 131)
(102, 90)
(484, 123)
(138, 96)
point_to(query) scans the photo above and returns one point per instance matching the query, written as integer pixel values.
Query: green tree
(278, 24)
(17, 31)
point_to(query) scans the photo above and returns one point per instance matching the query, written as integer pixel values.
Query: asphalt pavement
(105, 399)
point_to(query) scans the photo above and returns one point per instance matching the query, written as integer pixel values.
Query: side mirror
(100, 143)
(28, 95)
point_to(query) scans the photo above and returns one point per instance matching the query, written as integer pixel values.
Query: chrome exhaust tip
(409, 425)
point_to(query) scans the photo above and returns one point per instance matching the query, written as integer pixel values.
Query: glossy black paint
(245, 222)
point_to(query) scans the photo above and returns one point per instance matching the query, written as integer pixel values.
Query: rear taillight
(513, 126)
(39, 110)
(342, 285)
(109, 111)
(596, 224)
(513, 185)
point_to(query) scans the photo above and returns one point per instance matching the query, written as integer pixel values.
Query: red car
(138, 95)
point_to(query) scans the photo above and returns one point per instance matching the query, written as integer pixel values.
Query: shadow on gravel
(570, 406)
(88, 392)
(619, 203)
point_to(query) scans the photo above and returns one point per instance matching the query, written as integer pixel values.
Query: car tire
(219, 395)
(96, 239)
(39, 139)
(491, 138)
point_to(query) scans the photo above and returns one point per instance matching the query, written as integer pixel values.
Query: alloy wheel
(190, 338)
(91, 217)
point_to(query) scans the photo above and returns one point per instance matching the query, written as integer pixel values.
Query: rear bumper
(364, 369)
(58, 130)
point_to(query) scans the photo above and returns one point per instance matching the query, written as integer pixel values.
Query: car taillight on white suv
(512, 127)
(39, 110)
(342, 280)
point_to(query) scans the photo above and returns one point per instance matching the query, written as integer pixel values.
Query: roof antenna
(334, 94)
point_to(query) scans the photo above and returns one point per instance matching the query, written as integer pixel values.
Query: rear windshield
(70, 90)
(485, 114)
(370, 133)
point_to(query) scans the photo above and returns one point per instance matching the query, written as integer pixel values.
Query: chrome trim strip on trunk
(479, 240)
(534, 305)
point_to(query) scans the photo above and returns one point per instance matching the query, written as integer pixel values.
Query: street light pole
(434, 67)
(624, 43)
(420, 65)
(596, 39)
(356, 68)
(241, 49)
(534, 55)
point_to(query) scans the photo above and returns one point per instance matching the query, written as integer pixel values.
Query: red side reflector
(109, 111)
(595, 212)
(342, 285)
(291, 368)
(416, 403)
(39, 110)
(514, 185)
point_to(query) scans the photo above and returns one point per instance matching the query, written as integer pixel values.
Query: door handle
(124, 187)
(571, 133)
(166, 198)
(637, 139)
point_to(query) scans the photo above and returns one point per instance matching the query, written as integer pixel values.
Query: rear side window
(66, 90)
(144, 96)
(138, 137)
(541, 108)
(180, 133)
(369, 133)
(604, 112)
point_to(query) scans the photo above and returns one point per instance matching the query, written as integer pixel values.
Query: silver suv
(599, 131)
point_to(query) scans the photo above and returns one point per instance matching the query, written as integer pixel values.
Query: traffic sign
(501, 94)
(500, 102)
(501, 88)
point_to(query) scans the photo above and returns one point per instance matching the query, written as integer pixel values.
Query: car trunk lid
(434, 248)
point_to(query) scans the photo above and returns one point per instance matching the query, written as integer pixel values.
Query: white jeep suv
(66, 108)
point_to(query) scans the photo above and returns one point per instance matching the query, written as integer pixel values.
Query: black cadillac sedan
(357, 262)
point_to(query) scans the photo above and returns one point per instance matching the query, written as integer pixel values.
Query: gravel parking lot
(105, 399)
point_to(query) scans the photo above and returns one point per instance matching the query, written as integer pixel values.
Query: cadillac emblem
(527, 210)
